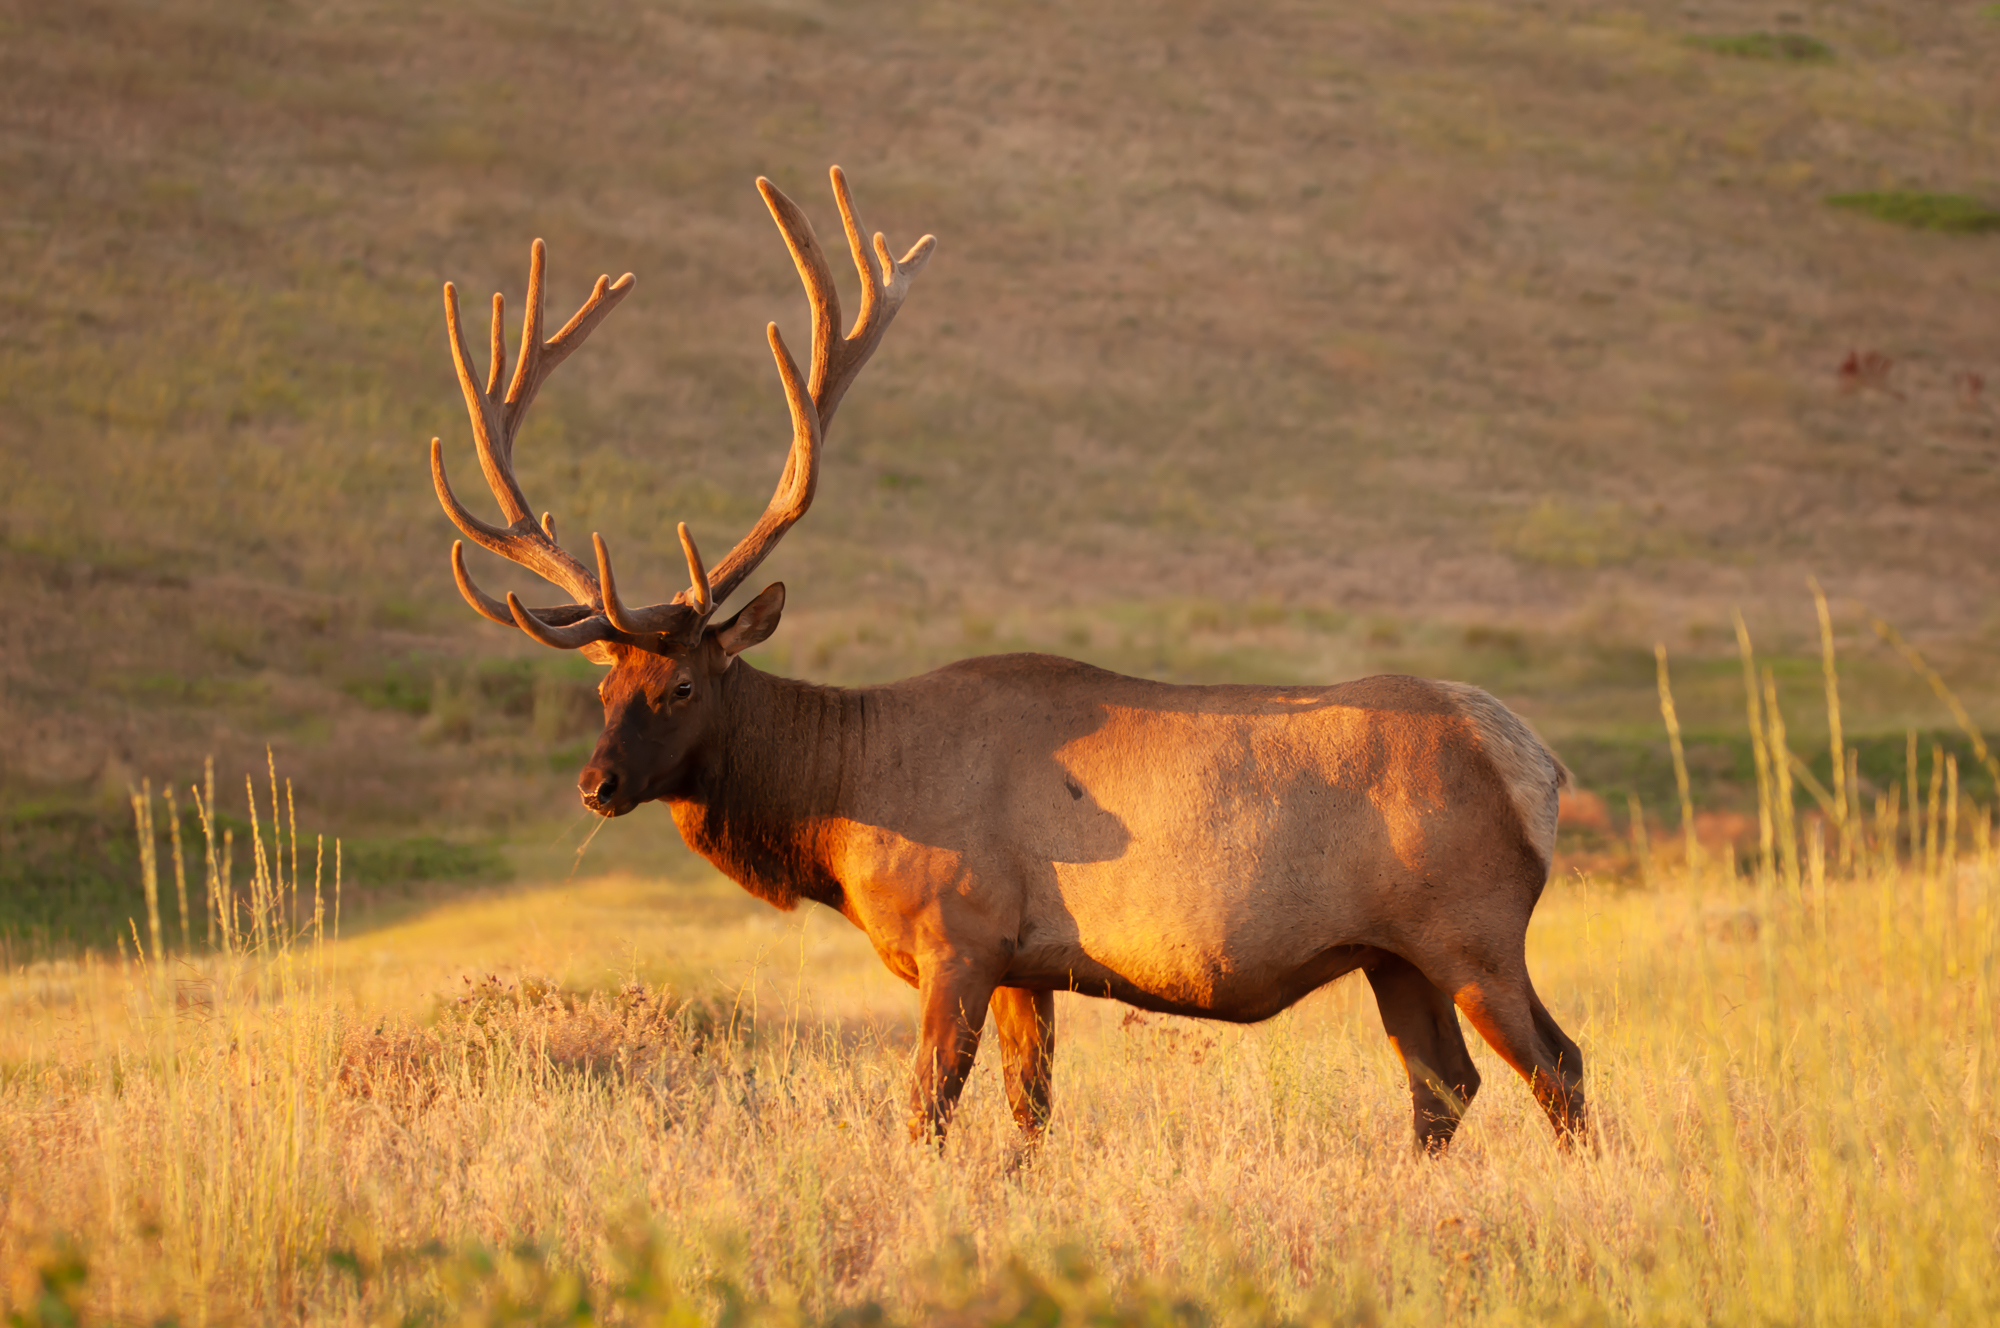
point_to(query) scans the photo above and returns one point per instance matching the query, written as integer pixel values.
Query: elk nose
(597, 786)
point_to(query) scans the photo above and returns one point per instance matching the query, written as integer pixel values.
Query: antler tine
(482, 603)
(607, 584)
(497, 359)
(796, 484)
(484, 534)
(885, 283)
(488, 435)
(698, 595)
(869, 265)
(530, 547)
(604, 297)
(533, 311)
(571, 637)
(817, 277)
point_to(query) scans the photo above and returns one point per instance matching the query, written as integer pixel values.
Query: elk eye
(683, 690)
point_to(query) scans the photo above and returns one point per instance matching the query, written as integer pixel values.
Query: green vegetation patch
(1783, 47)
(1959, 214)
(397, 684)
(528, 1283)
(68, 878)
(422, 858)
(1722, 768)
(69, 874)
(558, 696)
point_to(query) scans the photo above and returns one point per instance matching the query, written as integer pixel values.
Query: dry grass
(630, 1100)
(1794, 1099)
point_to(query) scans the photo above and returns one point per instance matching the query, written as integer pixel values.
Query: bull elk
(1009, 827)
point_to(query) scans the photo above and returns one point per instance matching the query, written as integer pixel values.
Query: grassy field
(650, 1101)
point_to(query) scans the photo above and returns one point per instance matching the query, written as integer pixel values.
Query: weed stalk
(1830, 672)
(1948, 865)
(1784, 808)
(1760, 751)
(1693, 845)
(1642, 845)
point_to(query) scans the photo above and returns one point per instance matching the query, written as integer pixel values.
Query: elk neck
(782, 759)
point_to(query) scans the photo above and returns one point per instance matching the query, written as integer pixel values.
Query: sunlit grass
(635, 1101)
(1793, 1102)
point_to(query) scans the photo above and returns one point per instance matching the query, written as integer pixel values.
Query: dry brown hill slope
(1291, 339)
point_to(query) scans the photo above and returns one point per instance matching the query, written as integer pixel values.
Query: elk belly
(1227, 930)
(1248, 866)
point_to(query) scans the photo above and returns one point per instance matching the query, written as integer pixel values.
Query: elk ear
(598, 653)
(754, 623)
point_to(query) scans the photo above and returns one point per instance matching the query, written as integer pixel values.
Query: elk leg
(1574, 1120)
(1423, 1027)
(954, 998)
(1503, 1006)
(1026, 1022)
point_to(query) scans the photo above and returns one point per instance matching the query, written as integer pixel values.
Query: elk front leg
(954, 995)
(1423, 1026)
(1026, 1022)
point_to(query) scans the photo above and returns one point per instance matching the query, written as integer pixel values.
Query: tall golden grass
(1791, 1059)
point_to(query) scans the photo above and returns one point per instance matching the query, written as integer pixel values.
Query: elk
(1009, 827)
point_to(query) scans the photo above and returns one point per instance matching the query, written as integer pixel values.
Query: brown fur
(1013, 826)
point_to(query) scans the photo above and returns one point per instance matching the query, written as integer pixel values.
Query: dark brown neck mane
(784, 758)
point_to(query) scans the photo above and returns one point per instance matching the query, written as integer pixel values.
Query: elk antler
(597, 614)
(836, 360)
(496, 422)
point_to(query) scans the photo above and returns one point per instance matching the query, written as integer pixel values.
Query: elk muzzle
(603, 791)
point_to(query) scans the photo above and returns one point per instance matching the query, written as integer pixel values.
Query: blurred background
(1285, 342)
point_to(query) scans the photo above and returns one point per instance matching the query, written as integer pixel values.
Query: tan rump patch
(1533, 775)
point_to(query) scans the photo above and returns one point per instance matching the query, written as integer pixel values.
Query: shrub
(1957, 213)
(1785, 47)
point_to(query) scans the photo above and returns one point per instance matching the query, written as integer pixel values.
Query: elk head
(666, 659)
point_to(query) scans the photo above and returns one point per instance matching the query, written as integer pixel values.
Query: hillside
(1486, 340)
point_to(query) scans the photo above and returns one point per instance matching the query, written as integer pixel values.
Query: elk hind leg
(1502, 1004)
(1423, 1027)
(1026, 1022)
